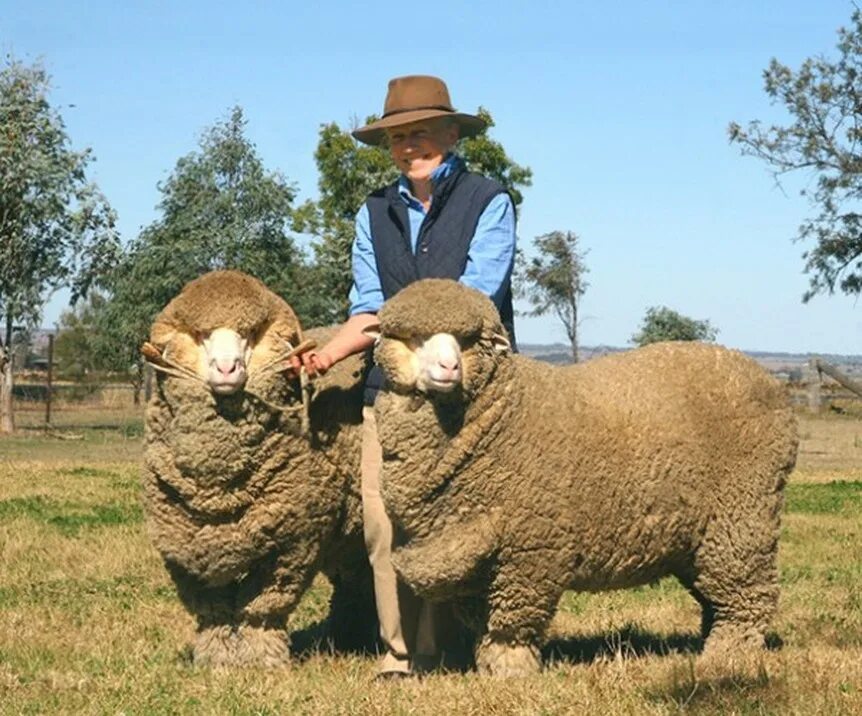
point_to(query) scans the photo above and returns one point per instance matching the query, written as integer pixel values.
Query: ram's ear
(372, 331)
(501, 343)
(161, 334)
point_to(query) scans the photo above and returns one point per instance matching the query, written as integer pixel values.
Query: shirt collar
(451, 162)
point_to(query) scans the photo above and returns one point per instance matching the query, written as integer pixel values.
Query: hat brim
(375, 133)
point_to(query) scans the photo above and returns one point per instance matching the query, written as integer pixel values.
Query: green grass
(69, 518)
(90, 623)
(841, 497)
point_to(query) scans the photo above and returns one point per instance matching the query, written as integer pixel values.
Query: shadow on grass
(753, 691)
(305, 644)
(316, 639)
(629, 641)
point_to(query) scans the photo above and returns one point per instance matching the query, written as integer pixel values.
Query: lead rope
(161, 362)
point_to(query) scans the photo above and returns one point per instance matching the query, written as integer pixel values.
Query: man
(436, 221)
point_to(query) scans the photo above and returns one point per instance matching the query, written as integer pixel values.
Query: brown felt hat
(412, 99)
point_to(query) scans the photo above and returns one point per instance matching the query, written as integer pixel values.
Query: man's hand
(348, 340)
(317, 362)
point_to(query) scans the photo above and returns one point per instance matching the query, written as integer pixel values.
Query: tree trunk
(7, 420)
(573, 333)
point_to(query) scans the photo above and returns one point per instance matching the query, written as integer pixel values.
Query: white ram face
(431, 364)
(223, 361)
(438, 364)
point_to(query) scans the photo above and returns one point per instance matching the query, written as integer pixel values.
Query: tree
(56, 228)
(554, 280)
(664, 324)
(77, 346)
(349, 171)
(824, 142)
(220, 209)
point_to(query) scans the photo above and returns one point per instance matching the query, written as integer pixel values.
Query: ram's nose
(228, 367)
(448, 369)
(227, 375)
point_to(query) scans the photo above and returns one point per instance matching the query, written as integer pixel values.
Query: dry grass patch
(828, 446)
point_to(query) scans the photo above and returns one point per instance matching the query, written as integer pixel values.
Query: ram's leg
(352, 623)
(456, 641)
(214, 611)
(442, 566)
(736, 582)
(521, 604)
(265, 600)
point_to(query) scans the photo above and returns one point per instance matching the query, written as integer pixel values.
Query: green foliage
(553, 281)
(486, 156)
(349, 172)
(664, 324)
(220, 209)
(824, 98)
(56, 229)
(76, 347)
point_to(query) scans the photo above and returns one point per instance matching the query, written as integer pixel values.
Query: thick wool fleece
(667, 460)
(245, 508)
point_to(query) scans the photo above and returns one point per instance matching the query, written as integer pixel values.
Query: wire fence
(76, 405)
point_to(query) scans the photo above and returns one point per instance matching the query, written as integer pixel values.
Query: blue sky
(619, 108)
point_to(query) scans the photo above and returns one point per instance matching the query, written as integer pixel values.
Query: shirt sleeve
(491, 255)
(366, 294)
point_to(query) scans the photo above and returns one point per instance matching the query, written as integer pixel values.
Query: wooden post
(7, 417)
(148, 382)
(814, 397)
(838, 376)
(50, 381)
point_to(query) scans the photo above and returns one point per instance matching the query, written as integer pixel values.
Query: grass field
(90, 623)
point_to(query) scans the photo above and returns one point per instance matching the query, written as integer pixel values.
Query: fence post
(49, 391)
(814, 395)
(148, 382)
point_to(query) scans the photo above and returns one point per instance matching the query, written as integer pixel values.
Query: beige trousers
(406, 621)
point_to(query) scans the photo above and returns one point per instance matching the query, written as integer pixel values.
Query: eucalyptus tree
(822, 142)
(56, 228)
(220, 208)
(552, 280)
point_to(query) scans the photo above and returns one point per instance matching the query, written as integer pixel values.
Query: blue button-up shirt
(489, 259)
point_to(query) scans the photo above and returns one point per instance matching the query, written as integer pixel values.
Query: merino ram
(250, 487)
(510, 481)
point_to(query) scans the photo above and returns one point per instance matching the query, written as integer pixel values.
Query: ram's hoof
(731, 654)
(507, 660)
(230, 646)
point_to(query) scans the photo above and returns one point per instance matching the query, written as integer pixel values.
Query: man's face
(418, 148)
